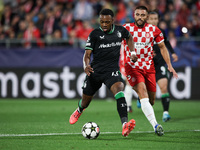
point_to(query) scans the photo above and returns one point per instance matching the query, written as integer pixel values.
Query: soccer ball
(90, 130)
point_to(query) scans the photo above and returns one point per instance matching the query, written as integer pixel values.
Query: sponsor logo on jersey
(102, 37)
(133, 79)
(147, 35)
(161, 34)
(110, 45)
(88, 40)
(119, 34)
(140, 44)
(128, 77)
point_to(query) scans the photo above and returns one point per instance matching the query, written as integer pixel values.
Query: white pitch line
(50, 134)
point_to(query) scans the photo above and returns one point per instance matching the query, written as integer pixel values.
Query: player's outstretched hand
(171, 69)
(175, 57)
(88, 70)
(133, 58)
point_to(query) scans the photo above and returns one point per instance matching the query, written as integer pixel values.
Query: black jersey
(158, 58)
(106, 48)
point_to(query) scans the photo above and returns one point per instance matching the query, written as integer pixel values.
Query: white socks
(148, 111)
(165, 112)
(128, 95)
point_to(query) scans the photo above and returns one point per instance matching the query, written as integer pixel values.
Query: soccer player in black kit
(104, 43)
(161, 71)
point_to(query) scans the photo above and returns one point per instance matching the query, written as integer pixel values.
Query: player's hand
(171, 69)
(133, 58)
(88, 70)
(175, 57)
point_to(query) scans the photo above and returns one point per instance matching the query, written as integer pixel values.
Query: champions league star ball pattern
(90, 130)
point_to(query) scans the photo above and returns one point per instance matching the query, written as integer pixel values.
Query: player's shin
(165, 101)
(80, 108)
(128, 94)
(121, 106)
(148, 111)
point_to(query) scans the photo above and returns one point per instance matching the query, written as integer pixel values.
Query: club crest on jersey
(147, 35)
(128, 77)
(88, 39)
(133, 79)
(102, 37)
(119, 34)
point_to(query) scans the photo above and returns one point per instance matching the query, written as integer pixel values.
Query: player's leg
(152, 96)
(147, 109)
(90, 86)
(137, 78)
(82, 104)
(128, 95)
(138, 102)
(163, 84)
(117, 90)
(151, 88)
(128, 89)
(162, 80)
(116, 85)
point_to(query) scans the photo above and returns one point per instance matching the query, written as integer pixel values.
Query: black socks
(165, 101)
(122, 109)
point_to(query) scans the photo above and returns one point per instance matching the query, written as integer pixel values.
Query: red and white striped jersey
(143, 41)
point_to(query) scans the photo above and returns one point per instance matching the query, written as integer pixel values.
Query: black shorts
(161, 71)
(93, 82)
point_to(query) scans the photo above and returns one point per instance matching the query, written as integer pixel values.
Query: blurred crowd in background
(69, 22)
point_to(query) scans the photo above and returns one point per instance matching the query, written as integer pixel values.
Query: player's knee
(163, 84)
(143, 89)
(163, 89)
(142, 92)
(117, 87)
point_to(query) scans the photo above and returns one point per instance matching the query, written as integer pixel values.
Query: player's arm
(86, 62)
(169, 47)
(130, 44)
(165, 55)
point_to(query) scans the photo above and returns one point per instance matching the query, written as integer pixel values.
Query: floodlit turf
(44, 125)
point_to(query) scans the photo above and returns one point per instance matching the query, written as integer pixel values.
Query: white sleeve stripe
(160, 41)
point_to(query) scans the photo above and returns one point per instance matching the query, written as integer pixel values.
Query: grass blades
(40, 124)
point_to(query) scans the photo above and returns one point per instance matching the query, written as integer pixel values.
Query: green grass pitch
(40, 124)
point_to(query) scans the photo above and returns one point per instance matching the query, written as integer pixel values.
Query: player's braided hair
(106, 12)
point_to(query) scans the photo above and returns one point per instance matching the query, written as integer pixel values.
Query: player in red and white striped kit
(141, 74)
